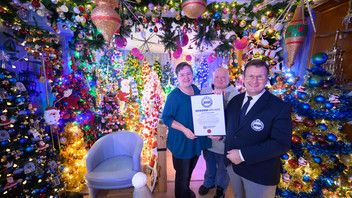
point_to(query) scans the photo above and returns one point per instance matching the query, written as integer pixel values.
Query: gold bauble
(193, 8)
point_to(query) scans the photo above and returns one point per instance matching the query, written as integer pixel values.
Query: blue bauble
(2, 76)
(217, 15)
(331, 137)
(322, 126)
(317, 159)
(4, 143)
(18, 171)
(29, 149)
(306, 106)
(284, 156)
(11, 97)
(301, 95)
(314, 81)
(43, 190)
(306, 134)
(40, 176)
(23, 140)
(13, 80)
(320, 99)
(306, 178)
(151, 30)
(19, 99)
(328, 105)
(35, 191)
(46, 138)
(319, 58)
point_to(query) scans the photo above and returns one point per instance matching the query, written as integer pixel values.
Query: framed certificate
(208, 114)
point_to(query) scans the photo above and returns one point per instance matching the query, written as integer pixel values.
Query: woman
(183, 144)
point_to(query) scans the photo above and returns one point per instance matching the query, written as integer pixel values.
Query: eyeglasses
(251, 77)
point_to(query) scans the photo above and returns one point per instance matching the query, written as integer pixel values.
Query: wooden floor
(196, 182)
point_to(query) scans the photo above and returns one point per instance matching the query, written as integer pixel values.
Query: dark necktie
(244, 108)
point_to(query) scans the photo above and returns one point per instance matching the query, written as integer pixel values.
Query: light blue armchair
(112, 161)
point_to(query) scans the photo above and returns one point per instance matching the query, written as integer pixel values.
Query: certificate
(208, 114)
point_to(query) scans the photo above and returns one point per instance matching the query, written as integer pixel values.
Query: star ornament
(146, 42)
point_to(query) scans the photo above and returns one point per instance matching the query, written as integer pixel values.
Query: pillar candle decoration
(193, 8)
(295, 34)
(105, 18)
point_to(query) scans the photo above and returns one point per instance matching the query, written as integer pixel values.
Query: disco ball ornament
(319, 58)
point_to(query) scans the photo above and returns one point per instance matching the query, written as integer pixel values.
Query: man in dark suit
(259, 130)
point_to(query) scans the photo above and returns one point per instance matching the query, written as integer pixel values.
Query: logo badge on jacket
(257, 125)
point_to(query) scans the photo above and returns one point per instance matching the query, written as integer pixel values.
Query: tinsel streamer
(317, 70)
(343, 113)
(335, 148)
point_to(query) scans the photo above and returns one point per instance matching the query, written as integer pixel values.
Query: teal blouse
(178, 107)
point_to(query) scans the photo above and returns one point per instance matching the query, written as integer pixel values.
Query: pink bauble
(140, 57)
(121, 43)
(184, 40)
(188, 58)
(241, 43)
(178, 51)
(176, 56)
(135, 51)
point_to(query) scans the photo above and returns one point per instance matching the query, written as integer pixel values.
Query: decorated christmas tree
(201, 73)
(318, 164)
(29, 163)
(145, 71)
(131, 115)
(72, 154)
(133, 69)
(167, 78)
(157, 68)
(152, 104)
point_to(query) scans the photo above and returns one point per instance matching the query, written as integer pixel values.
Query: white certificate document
(208, 114)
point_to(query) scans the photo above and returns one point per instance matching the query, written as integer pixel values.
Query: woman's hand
(219, 91)
(189, 134)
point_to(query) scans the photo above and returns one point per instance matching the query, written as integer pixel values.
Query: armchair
(112, 161)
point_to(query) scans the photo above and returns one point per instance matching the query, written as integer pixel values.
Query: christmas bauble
(293, 163)
(306, 178)
(323, 167)
(297, 184)
(314, 81)
(322, 126)
(309, 122)
(106, 19)
(193, 8)
(328, 105)
(331, 137)
(319, 99)
(319, 58)
(306, 106)
(296, 139)
(317, 159)
(284, 156)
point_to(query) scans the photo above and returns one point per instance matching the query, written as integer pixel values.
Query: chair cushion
(116, 172)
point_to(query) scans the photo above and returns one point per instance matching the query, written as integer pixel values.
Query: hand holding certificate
(208, 114)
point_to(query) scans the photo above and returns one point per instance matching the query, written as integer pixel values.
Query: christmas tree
(133, 69)
(145, 71)
(167, 78)
(201, 73)
(157, 68)
(318, 164)
(29, 162)
(152, 104)
(72, 154)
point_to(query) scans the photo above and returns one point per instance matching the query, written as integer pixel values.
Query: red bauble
(293, 163)
(297, 184)
(271, 15)
(36, 3)
(296, 139)
(309, 122)
(323, 167)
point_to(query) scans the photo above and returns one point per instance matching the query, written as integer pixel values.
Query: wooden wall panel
(329, 16)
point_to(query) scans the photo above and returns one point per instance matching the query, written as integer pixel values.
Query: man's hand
(217, 138)
(189, 134)
(234, 156)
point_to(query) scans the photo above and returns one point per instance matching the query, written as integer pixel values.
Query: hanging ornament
(295, 34)
(156, 29)
(166, 8)
(51, 115)
(178, 16)
(106, 19)
(193, 8)
(286, 178)
(242, 23)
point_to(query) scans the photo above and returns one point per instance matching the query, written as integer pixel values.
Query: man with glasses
(259, 130)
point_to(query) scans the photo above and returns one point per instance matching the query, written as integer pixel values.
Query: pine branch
(168, 40)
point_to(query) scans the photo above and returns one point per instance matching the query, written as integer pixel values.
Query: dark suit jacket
(264, 134)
